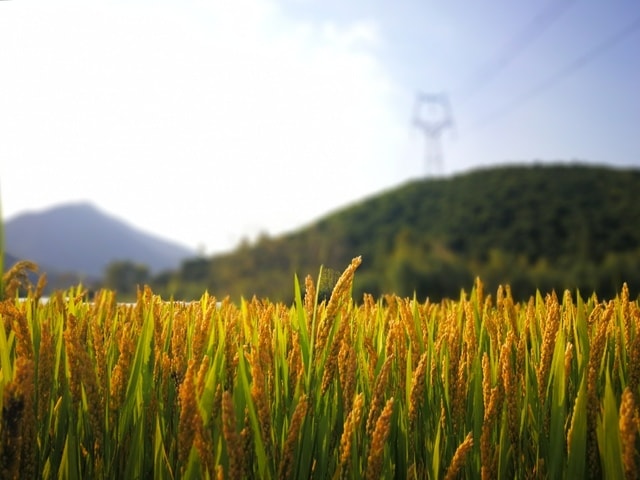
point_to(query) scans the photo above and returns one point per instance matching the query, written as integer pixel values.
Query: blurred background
(201, 130)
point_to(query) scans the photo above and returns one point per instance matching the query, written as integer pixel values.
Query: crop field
(476, 387)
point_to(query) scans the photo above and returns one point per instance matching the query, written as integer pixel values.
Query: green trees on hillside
(547, 227)
(126, 276)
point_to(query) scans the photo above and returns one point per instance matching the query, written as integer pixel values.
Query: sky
(207, 122)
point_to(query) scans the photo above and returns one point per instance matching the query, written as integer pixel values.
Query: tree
(124, 276)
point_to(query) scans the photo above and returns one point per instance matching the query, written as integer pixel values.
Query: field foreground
(481, 387)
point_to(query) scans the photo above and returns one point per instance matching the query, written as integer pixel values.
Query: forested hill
(561, 226)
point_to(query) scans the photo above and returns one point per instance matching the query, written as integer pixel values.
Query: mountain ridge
(534, 226)
(546, 226)
(80, 238)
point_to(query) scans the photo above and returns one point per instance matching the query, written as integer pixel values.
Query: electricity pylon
(432, 116)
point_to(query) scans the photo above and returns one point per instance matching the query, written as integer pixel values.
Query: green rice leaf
(243, 377)
(608, 433)
(577, 439)
(301, 326)
(556, 433)
(213, 378)
(69, 466)
(161, 465)
(5, 360)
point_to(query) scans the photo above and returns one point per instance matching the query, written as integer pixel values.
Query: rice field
(477, 387)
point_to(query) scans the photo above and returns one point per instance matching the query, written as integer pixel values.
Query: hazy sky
(208, 121)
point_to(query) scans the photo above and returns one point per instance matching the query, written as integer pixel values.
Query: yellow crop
(479, 387)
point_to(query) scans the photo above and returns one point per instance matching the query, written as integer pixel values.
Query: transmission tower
(432, 116)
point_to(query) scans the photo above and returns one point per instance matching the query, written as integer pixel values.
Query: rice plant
(477, 387)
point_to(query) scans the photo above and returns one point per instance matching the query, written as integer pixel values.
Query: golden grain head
(287, 462)
(628, 432)
(378, 442)
(189, 414)
(231, 436)
(418, 386)
(377, 400)
(459, 458)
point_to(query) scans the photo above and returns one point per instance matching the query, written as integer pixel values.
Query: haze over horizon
(208, 121)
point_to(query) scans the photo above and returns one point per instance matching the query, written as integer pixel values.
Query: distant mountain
(79, 238)
(9, 260)
(542, 226)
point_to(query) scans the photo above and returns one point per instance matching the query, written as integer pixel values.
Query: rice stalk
(18, 424)
(374, 469)
(628, 432)
(473, 388)
(232, 439)
(378, 396)
(287, 462)
(348, 434)
(459, 458)
(596, 352)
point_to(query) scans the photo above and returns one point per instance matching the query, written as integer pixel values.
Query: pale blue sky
(205, 121)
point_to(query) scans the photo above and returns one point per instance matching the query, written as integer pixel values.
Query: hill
(81, 239)
(546, 227)
(8, 260)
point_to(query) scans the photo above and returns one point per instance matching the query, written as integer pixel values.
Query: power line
(558, 76)
(531, 32)
(432, 128)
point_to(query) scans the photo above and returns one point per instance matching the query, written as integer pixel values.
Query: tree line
(533, 227)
